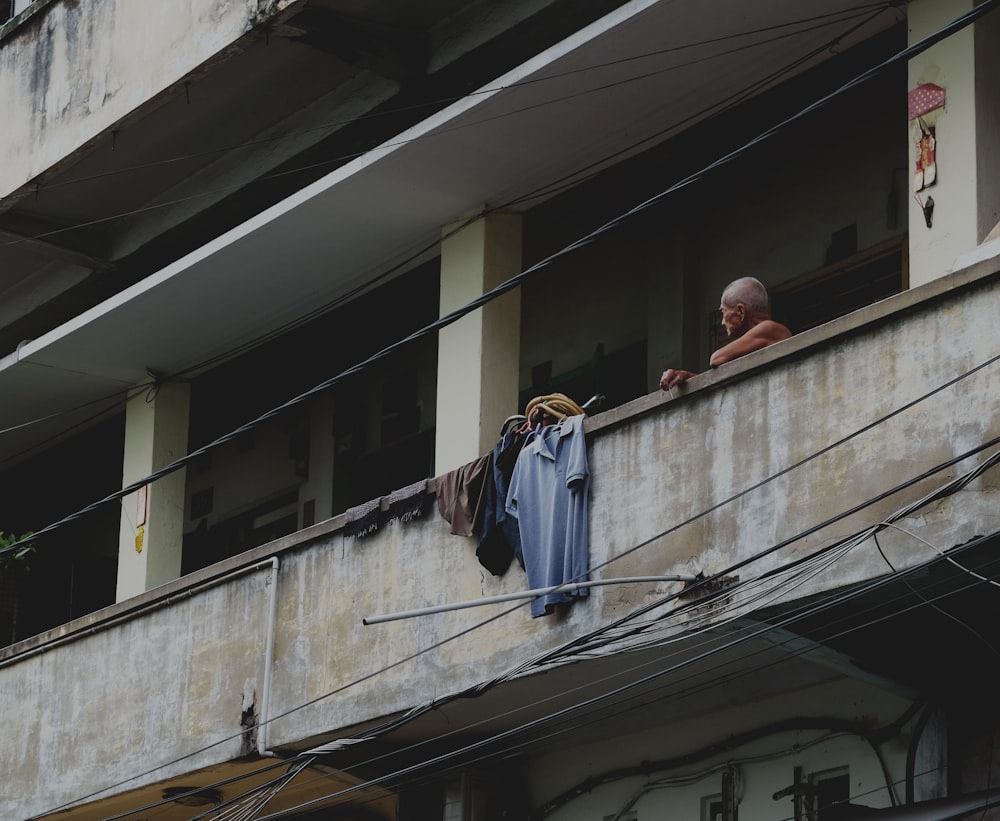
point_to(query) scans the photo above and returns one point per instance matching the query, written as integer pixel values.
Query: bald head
(750, 292)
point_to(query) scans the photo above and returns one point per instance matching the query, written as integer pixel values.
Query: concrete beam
(65, 243)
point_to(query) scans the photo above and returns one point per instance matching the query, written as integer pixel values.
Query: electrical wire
(368, 285)
(547, 189)
(853, 510)
(989, 645)
(941, 553)
(951, 486)
(960, 482)
(914, 570)
(715, 109)
(710, 673)
(417, 711)
(956, 483)
(715, 679)
(435, 762)
(586, 239)
(513, 282)
(852, 595)
(693, 778)
(246, 806)
(830, 17)
(215, 785)
(435, 776)
(841, 600)
(319, 164)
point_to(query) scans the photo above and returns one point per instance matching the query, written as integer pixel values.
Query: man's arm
(673, 377)
(759, 336)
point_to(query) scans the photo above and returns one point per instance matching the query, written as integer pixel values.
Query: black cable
(413, 713)
(972, 631)
(557, 184)
(688, 521)
(924, 44)
(716, 109)
(225, 355)
(330, 161)
(731, 742)
(614, 625)
(808, 609)
(840, 14)
(788, 618)
(965, 20)
(368, 285)
(805, 611)
(437, 761)
(215, 785)
(340, 300)
(641, 611)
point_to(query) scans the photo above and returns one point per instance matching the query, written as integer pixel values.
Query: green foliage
(19, 554)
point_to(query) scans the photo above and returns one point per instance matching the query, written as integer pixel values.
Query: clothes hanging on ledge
(363, 520)
(461, 494)
(549, 496)
(408, 503)
(500, 538)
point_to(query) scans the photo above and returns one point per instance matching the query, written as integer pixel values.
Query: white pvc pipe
(265, 698)
(570, 587)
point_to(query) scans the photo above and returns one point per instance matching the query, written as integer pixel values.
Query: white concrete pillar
(151, 532)
(966, 197)
(478, 356)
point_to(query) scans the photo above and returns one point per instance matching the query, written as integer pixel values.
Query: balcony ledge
(978, 267)
(981, 271)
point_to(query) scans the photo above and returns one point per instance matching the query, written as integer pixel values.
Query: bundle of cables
(551, 408)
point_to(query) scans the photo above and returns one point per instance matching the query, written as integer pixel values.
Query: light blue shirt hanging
(549, 495)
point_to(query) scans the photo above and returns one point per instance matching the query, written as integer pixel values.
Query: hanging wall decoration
(922, 104)
(925, 172)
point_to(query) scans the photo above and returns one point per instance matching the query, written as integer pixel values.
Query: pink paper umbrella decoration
(924, 98)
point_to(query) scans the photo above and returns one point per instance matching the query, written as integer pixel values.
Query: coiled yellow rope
(558, 406)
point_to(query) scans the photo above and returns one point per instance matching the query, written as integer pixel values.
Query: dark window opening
(831, 788)
(619, 377)
(842, 287)
(396, 465)
(266, 522)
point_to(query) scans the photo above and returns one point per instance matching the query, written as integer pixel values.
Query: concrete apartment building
(264, 261)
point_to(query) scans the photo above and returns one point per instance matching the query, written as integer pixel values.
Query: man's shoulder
(770, 330)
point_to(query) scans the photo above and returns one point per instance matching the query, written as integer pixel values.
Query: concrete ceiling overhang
(611, 90)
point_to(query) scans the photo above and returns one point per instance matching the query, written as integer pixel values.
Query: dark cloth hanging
(461, 494)
(500, 538)
(363, 520)
(408, 503)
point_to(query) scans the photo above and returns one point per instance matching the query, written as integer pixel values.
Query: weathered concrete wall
(765, 765)
(72, 69)
(85, 714)
(179, 676)
(709, 447)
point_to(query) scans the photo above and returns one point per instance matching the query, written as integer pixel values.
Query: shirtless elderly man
(746, 316)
